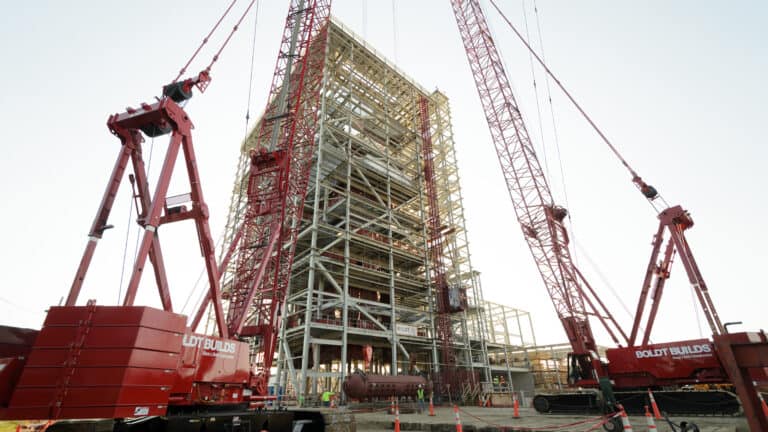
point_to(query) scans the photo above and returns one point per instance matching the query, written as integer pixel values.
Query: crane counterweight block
(115, 361)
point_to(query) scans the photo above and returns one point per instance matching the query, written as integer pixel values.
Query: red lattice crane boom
(540, 219)
(278, 179)
(447, 373)
(264, 245)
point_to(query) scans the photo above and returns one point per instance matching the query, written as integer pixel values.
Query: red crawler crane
(540, 219)
(734, 358)
(116, 362)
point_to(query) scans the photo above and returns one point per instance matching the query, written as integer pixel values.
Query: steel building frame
(360, 271)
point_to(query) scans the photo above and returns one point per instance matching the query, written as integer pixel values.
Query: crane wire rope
(394, 31)
(149, 167)
(205, 41)
(197, 281)
(555, 135)
(247, 109)
(250, 75)
(558, 156)
(220, 240)
(125, 249)
(549, 74)
(536, 95)
(635, 177)
(229, 37)
(128, 228)
(695, 304)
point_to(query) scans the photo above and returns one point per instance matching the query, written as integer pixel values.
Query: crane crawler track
(709, 402)
(229, 421)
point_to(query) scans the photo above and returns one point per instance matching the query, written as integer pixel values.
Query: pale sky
(679, 87)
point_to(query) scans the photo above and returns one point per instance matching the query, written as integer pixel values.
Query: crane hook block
(178, 91)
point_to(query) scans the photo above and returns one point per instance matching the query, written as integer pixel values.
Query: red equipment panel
(680, 362)
(212, 370)
(100, 361)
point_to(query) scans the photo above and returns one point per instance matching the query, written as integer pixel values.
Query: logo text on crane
(208, 344)
(675, 351)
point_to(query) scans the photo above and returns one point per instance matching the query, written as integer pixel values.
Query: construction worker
(326, 398)
(420, 398)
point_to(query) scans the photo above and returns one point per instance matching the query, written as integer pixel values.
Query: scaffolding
(360, 279)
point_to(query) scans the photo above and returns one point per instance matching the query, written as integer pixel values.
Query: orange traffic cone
(458, 419)
(655, 407)
(397, 417)
(762, 404)
(624, 419)
(515, 406)
(649, 420)
(431, 407)
(18, 427)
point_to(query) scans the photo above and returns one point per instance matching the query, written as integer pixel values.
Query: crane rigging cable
(203, 78)
(536, 96)
(250, 75)
(128, 228)
(648, 191)
(555, 135)
(205, 41)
